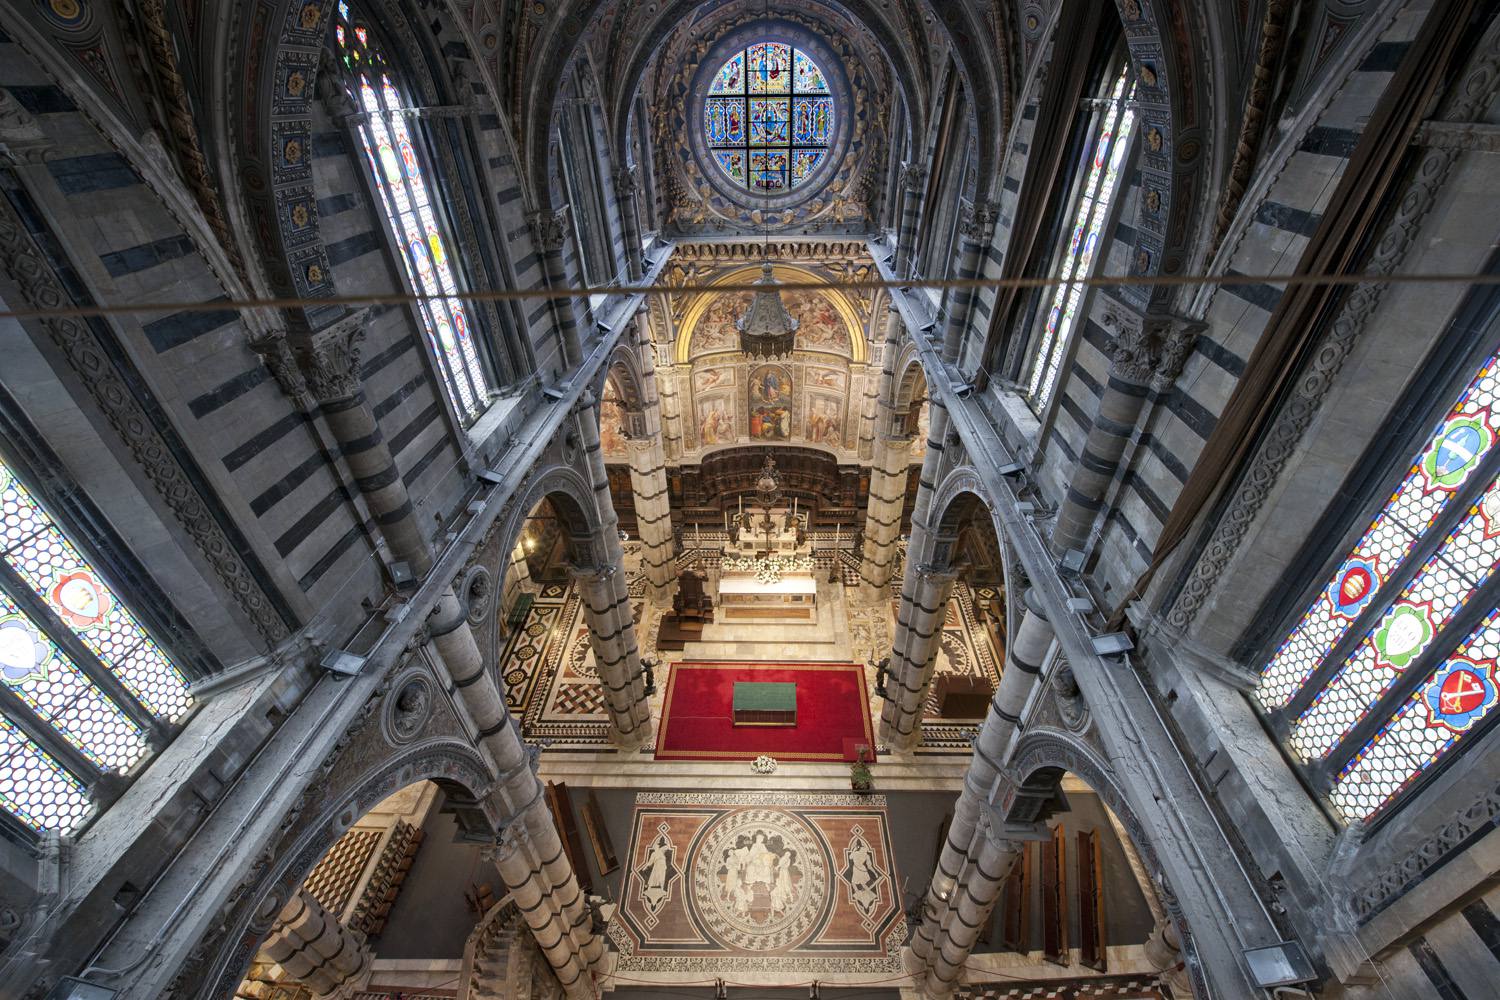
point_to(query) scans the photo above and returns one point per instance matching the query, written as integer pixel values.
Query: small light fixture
(1071, 562)
(1112, 644)
(1280, 964)
(402, 576)
(490, 477)
(1082, 605)
(1011, 469)
(342, 662)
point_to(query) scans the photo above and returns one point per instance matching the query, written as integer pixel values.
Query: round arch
(573, 500)
(784, 273)
(449, 762)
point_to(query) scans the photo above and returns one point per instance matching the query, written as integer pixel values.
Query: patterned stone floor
(788, 886)
(547, 663)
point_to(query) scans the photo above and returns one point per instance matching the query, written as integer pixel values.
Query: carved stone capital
(330, 360)
(626, 184)
(978, 222)
(1175, 338)
(276, 354)
(549, 229)
(913, 176)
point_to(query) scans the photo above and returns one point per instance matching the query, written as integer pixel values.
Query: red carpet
(697, 719)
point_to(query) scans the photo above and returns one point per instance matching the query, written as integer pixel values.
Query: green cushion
(765, 696)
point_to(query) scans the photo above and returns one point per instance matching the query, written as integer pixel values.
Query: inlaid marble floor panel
(782, 887)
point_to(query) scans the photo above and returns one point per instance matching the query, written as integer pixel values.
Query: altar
(766, 569)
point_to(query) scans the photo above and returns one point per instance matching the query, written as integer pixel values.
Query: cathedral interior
(864, 499)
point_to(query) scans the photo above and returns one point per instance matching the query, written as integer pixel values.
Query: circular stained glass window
(769, 117)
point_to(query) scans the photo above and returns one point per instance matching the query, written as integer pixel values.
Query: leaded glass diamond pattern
(1453, 700)
(1458, 445)
(35, 788)
(37, 551)
(768, 119)
(1408, 628)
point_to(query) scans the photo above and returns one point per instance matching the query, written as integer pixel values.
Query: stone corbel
(913, 176)
(1174, 337)
(330, 359)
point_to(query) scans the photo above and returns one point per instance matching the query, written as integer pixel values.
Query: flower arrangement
(764, 764)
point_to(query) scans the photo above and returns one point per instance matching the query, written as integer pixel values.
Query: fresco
(825, 420)
(716, 420)
(612, 423)
(770, 404)
(831, 379)
(718, 377)
(820, 328)
(715, 330)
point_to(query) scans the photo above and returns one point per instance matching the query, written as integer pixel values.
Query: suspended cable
(870, 285)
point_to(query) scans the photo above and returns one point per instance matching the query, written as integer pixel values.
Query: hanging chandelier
(767, 330)
(767, 487)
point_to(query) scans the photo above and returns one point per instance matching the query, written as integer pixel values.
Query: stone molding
(22, 140)
(79, 345)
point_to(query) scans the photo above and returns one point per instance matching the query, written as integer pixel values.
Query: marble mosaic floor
(779, 887)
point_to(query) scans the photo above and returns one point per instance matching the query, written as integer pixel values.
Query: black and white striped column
(975, 230)
(606, 598)
(1120, 406)
(892, 466)
(315, 950)
(549, 230)
(630, 219)
(913, 187)
(972, 864)
(529, 854)
(330, 365)
(648, 478)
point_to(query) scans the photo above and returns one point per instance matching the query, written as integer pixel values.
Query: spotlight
(1071, 562)
(1112, 644)
(342, 662)
(1011, 469)
(1281, 964)
(1082, 605)
(490, 477)
(70, 988)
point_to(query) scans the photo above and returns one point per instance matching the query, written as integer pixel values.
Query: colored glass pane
(1451, 703)
(807, 78)
(47, 562)
(35, 788)
(769, 143)
(1100, 184)
(1406, 630)
(1455, 449)
(770, 68)
(401, 186)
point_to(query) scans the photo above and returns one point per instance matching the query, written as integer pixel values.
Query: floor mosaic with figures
(795, 883)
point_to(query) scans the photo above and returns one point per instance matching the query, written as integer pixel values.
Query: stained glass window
(769, 117)
(1099, 186)
(60, 623)
(1376, 646)
(401, 187)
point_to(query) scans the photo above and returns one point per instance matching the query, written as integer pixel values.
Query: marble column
(919, 633)
(892, 466)
(965, 912)
(330, 366)
(630, 219)
(529, 853)
(315, 950)
(549, 230)
(648, 478)
(913, 187)
(608, 615)
(975, 230)
(1146, 356)
(883, 509)
(607, 600)
(971, 861)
